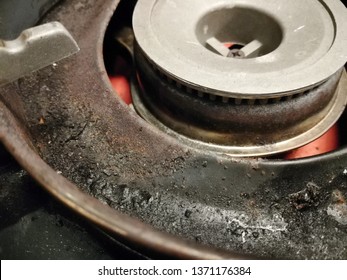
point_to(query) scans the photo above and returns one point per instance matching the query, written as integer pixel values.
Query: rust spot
(337, 197)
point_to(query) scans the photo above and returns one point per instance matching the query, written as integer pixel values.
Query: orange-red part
(326, 143)
(122, 87)
(228, 45)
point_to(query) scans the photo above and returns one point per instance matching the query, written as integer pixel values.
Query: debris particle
(306, 198)
(188, 213)
(243, 236)
(42, 120)
(107, 172)
(245, 195)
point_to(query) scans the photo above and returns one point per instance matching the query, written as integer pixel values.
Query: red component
(228, 45)
(121, 86)
(119, 76)
(326, 143)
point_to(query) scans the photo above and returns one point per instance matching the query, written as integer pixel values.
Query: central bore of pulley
(239, 32)
(246, 78)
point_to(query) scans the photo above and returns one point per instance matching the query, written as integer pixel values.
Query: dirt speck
(305, 198)
(187, 213)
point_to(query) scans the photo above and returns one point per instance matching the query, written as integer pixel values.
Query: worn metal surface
(35, 48)
(237, 129)
(127, 171)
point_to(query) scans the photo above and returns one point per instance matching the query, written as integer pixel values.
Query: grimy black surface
(35, 226)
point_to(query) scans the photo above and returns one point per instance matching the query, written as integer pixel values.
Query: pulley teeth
(238, 101)
(212, 97)
(224, 99)
(251, 101)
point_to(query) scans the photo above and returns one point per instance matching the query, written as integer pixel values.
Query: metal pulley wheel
(246, 78)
